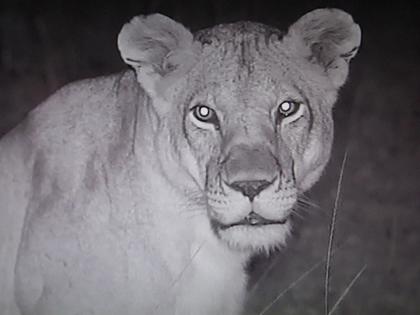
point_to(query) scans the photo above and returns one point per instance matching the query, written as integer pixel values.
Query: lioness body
(122, 253)
(120, 198)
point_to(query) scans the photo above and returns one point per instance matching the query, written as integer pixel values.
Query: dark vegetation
(46, 44)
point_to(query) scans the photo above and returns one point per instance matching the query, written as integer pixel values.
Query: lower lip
(226, 227)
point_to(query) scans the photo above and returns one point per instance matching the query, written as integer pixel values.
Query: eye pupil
(287, 108)
(205, 114)
(204, 111)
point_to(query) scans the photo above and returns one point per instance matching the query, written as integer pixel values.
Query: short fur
(116, 199)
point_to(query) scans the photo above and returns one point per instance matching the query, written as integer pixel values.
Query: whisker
(307, 201)
(303, 207)
(295, 212)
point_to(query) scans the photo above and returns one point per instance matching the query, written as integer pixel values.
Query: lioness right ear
(328, 37)
(156, 47)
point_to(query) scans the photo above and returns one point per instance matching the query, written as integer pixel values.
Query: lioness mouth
(253, 219)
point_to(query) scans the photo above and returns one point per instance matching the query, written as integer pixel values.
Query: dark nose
(250, 188)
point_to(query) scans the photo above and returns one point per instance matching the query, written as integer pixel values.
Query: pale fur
(116, 200)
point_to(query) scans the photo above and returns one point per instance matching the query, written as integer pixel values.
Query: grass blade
(331, 235)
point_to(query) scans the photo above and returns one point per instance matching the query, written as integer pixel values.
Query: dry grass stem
(347, 290)
(331, 235)
(178, 278)
(290, 286)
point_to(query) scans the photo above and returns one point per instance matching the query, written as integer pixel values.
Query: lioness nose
(250, 188)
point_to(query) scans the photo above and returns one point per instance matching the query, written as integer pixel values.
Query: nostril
(250, 188)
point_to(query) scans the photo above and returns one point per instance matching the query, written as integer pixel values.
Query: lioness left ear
(158, 48)
(328, 37)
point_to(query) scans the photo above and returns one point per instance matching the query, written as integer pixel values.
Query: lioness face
(260, 133)
(253, 108)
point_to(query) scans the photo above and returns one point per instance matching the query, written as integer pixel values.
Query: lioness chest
(118, 255)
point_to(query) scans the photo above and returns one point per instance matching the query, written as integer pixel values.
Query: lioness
(147, 191)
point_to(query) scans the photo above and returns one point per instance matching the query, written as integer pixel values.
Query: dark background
(46, 44)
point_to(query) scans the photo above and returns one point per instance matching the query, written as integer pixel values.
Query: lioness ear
(328, 37)
(156, 47)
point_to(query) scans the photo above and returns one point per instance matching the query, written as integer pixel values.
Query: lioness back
(146, 192)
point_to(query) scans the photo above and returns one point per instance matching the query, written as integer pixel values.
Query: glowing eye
(205, 114)
(287, 108)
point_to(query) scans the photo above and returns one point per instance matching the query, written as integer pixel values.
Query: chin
(254, 238)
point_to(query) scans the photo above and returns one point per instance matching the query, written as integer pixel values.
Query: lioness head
(246, 110)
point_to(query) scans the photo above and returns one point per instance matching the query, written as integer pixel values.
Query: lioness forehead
(245, 61)
(238, 33)
(240, 45)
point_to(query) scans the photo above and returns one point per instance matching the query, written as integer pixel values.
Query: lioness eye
(287, 108)
(205, 114)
